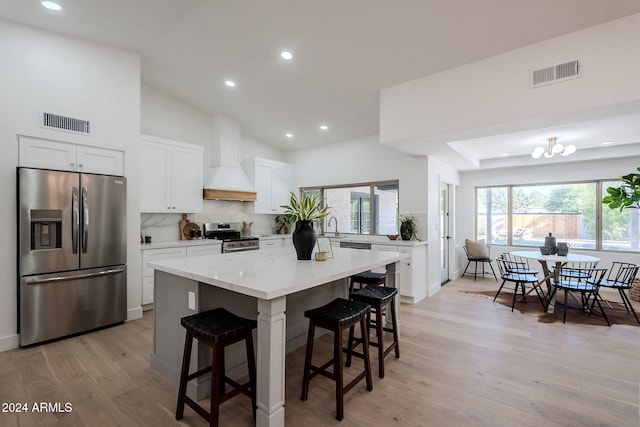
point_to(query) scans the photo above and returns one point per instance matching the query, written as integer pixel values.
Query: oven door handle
(245, 248)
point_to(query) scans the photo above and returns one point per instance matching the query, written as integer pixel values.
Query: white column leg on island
(270, 358)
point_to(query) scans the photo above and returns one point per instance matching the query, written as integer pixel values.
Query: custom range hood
(225, 179)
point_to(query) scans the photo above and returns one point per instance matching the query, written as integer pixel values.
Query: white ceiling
(345, 52)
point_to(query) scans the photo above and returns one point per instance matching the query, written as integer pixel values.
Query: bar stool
(378, 297)
(366, 278)
(336, 316)
(218, 329)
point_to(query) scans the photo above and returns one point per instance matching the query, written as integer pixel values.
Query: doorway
(445, 237)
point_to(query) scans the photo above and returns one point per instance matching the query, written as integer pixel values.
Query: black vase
(304, 239)
(405, 231)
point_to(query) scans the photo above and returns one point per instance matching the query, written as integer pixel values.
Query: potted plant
(304, 211)
(408, 227)
(627, 196)
(282, 223)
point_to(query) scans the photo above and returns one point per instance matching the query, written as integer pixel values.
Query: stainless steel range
(232, 240)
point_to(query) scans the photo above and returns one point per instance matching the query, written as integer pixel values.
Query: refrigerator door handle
(76, 277)
(75, 219)
(85, 220)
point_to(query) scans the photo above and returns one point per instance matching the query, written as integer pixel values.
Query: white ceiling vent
(555, 73)
(68, 124)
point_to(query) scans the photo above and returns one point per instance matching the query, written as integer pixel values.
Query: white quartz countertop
(374, 240)
(180, 244)
(274, 272)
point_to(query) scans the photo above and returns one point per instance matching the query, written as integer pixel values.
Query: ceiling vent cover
(555, 73)
(68, 124)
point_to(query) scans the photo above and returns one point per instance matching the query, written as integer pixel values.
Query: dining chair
(620, 277)
(573, 269)
(478, 252)
(518, 259)
(510, 271)
(572, 280)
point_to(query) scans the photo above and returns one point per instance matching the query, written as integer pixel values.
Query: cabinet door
(263, 184)
(212, 249)
(155, 177)
(100, 160)
(186, 180)
(406, 274)
(45, 154)
(281, 183)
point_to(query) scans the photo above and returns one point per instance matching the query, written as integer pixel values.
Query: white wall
(366, 160)
(543, 174)
(496, 91)
(42, 70)
(167, 117)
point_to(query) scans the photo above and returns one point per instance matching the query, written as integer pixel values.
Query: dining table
(550, 275)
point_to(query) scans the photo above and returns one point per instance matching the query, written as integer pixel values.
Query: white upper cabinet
(56, 155)
(170, 176)
(273, 182)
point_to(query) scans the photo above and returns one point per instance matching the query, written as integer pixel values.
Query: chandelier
(553, 148)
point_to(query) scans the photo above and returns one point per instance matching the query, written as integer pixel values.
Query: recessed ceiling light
(324, 127)
(286, 55)
(230, 83)
(504, 154)
(607, 143)
(51, 5)
(288, 135)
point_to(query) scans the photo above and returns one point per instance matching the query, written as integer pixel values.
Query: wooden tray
(188, 228)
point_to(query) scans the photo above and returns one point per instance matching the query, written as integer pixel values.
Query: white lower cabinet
(271, 243)
(203, 250)
(151, 255)
(413, 271)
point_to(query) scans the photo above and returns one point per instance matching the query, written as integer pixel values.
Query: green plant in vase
(304, 211)
(282, 223)
(408, 227)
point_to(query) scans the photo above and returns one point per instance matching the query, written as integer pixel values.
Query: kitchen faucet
(329, 223)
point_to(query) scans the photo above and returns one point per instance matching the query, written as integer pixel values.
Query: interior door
(445, 238)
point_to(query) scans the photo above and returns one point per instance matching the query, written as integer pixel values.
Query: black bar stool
(216, 328)
(378, 297)
(336, 316)
(366, 278)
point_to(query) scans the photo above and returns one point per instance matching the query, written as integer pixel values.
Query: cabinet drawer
(151, 255)
(204, 250)
(271, 243)
(384, 248)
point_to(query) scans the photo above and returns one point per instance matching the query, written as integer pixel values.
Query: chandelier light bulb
(557, 148)
(538, 152)
(569, 149)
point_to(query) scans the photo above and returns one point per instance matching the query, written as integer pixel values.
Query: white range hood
(225, 179)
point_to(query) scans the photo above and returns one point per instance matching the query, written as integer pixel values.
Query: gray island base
(268, 285)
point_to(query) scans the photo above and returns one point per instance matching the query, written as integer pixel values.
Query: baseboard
(9, 342)
(134, 313)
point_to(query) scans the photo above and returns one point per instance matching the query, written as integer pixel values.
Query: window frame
(372, 204)
(599, 194)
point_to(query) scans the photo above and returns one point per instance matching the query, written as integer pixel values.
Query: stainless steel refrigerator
(71, 253)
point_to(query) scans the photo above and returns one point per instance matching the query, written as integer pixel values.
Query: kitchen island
(269, 285)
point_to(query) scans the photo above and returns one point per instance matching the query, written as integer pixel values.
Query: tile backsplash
(164, 227)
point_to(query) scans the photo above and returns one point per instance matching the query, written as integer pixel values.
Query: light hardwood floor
(465, 361)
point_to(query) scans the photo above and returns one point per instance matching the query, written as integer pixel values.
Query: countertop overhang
(275, 272)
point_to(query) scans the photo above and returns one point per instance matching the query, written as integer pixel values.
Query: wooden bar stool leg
(394, 325)
(350, 345)
(184, 373)
(251, 363)
(380, 336)
(307, 362)
(217, 380)
(364, 330)
(337, 372)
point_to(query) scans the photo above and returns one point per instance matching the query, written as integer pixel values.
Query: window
(361, 208)
(573, 212)
(620, 229)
